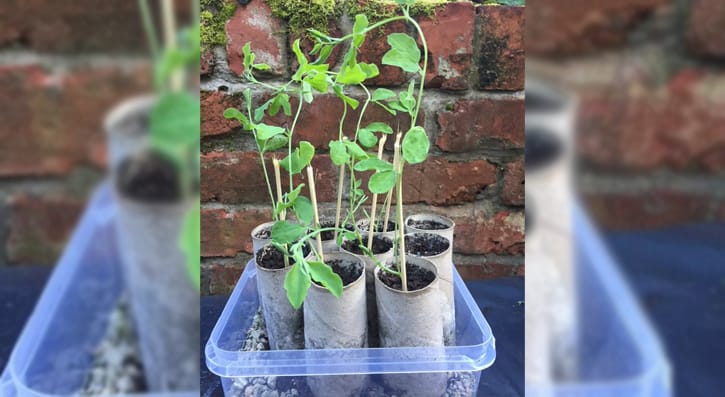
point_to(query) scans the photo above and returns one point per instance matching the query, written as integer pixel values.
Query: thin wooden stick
(388, 201)
(340, 186)
(371, 227)
(399, 204)
(313, 197)
(278, 181)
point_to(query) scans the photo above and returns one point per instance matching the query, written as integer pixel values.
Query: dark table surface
(678, 273)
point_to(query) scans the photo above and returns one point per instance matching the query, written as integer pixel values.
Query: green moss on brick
(305, 14)
(376, 10)
(214, 15)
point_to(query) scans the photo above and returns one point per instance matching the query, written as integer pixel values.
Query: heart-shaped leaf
(415, 145)
(323, 274)
(338, 153)
(284, 232)
(297, 283)
(403, 53)
(382, 182)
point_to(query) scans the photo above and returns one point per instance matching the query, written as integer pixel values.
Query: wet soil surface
(381, 245)
(149, 177)
(379, 227)
(271, 258)
(348, 272)
(329, 235)
(425, 244)
(427, 225)
(418, 278)
(264, 233)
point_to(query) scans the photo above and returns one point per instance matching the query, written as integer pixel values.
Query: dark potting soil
(329, 234)
(264, 233)
(425, 244)
(271, 258)
(348, 273)
(379, 227)
(150, 177)
(427, 225)
(380, 245)
(418, 278)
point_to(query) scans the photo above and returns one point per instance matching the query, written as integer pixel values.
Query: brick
(207, 62)
(320, 127)
(439, 181)
(213, 105)
(705, 28)
(500, 50)
(39, 227)
(490, 233)
(486, 271)
(372, 51)
(647, 210)
(58, 116)
(449, 35)
(238, 178)
(676, 127)
(473, 123)
(223, 278)
(563, 27)
(255, 23)
(514, 184)
(225, 233)
(77, 26)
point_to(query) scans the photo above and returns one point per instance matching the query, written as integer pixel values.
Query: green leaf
(235, 114)
(307, 92)
(284, 232)
(338, 153)
(301, 59)
(274, 143)
(301, 158)
(323, 274)
(304, 210)
(367, 138)
(307, 152)
(265, 131)
(358, 29)
(261, 66)
(351, 75)
(325, 52)
(318, 80)
(259, 112)
(356, 151)
(382, 94)
(373, 163)
(370, 69)
(353, 103)
(175, 122)
(382, 182)
(415, 145)
(379, 127)
(297, 283)
(281, 100)
(248, 55)
(404, 53)
(407, 101)
(189, 242)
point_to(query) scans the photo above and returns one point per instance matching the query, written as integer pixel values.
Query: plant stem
(341, 182)
(371, 226)
(169, 20)
(388, 201)
(313, 198)
(264, 167)
(148, 26)
(278, 182)
(425, 67)
(399, 205)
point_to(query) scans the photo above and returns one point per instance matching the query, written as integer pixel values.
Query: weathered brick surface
(487, 270)
(223, 278)
(38, 228)
(207, 62)
(706, 27)
(513, 183)
(255, 23)
(225, 233)
(490, 233)
(213, 105)
(556, 27)
(500, 50)
(449, 35)
(652, 209)
(38, 108)
(439, 181)
(237, 177)
(472, 123)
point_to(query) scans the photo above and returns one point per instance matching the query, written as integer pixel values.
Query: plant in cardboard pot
(156, 187)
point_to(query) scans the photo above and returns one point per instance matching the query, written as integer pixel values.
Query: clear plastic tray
(476, 349)
(53, 354)
(619, 352)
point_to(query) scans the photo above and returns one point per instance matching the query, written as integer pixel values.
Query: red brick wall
(651, 84)
(474, 112)
(63, 64)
